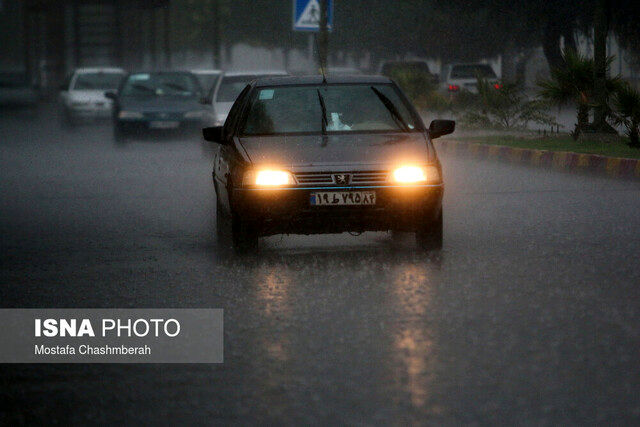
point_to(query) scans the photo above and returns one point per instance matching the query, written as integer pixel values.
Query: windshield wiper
(395, 115)
(324, 113)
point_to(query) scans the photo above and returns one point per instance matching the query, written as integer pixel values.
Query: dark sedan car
(304, 155)
(159, 100)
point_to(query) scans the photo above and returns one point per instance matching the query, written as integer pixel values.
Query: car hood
(173, 104)
(361, 149)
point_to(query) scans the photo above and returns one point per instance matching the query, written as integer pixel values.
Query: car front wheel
(429, 236)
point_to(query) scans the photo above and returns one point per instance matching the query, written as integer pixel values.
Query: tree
(574, 82)
(600, 30)
(626, 106)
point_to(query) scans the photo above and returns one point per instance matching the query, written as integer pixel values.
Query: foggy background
(46, 39)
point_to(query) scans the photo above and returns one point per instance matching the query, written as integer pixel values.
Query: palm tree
(626, 106)
(574, 82)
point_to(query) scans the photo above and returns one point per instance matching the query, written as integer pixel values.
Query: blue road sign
(306, 15)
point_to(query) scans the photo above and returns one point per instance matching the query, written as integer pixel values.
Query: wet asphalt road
(530, 313)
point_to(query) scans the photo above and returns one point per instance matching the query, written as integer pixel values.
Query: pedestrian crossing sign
(306, 15)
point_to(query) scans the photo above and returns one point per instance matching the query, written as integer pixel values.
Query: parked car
(16, 90)
(82, 94)
(230, 86)
(457, 77)
(165, 100)
(389, 68)
(208, 78)
(301, 155)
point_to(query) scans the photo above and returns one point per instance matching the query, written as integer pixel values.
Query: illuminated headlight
(415, 174)
(129, 115)
(268, 178)
(199, 114)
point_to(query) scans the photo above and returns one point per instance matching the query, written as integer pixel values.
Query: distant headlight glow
(268, 178)
(415, 174)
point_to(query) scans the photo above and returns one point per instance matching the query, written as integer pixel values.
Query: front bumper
(288, 210)
(89, 112)
(145, 125)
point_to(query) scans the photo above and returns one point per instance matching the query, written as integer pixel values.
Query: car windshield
(231, 86)
(161, 84)
(472, 71)
(97, 81)
(328, 108)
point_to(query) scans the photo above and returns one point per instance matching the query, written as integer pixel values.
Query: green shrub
(416, 84)
(505, 107)
(574, 83)
(433, 101)
(626, 107)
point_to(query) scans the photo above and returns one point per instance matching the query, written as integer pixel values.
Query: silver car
(229, 87)
(82, 95)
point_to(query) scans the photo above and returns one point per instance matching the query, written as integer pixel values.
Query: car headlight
(198, 114)
(268, 178)
(129, 115)
(415, 174)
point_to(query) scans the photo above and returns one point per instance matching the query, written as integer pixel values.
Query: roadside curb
(559, 160)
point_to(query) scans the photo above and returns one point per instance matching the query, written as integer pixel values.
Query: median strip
(559, 160)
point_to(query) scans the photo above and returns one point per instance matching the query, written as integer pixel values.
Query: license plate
(343, 198)
(163, 125)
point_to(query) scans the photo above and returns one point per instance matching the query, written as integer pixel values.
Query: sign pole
(323, 36)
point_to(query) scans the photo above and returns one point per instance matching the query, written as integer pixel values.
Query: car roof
(162, 72)
(317, 79)
(206, 71)
(99, 70)
(343, 69)
(255, 73)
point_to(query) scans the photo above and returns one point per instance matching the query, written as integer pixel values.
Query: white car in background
(459, 77)
(208, 78)
(82, 94)
(229, 87)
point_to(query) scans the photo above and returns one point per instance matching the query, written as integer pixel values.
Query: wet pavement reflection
(530, 312)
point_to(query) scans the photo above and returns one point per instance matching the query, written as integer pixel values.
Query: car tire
(222, 224)
(244, 236)
(429, 236)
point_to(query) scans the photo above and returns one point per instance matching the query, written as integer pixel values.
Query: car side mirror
(438, 128)
(110, 94)
(213, 134)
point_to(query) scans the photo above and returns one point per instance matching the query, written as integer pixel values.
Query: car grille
(326, 178)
